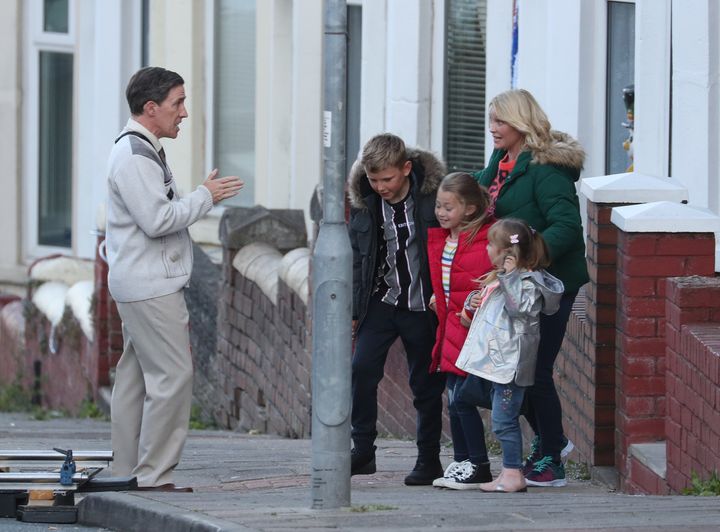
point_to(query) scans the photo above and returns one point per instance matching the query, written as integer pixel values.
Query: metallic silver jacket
(504, 334)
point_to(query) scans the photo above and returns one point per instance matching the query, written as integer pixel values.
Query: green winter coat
(541, 191)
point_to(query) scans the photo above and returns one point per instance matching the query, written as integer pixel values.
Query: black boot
(362, 462)
(425, 471)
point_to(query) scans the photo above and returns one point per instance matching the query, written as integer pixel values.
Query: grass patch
(14, 399)
(577, 470)
(362, 508)
(199, 422)
(704, 488)
(90, 409)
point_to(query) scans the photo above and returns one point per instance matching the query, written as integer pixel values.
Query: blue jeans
(542, 404)
(506, 405)
(466, 425)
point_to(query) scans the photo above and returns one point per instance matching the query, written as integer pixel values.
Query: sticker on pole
(327, 129)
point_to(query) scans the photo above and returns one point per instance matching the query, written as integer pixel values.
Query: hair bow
(514, 239)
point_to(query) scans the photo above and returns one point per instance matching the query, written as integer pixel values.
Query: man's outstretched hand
(222, 187)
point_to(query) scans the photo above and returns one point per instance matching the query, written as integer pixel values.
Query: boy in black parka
(392, 195)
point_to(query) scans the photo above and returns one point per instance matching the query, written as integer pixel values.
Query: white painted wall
(10, 131)
(108, 53)
(307, 95)
(177, 42)
(273, 102)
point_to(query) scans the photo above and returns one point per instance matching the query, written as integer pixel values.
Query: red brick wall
(76, 371)
(12, 345)
(263, 364)
(692, 424)
(586, 364)
(644, 261)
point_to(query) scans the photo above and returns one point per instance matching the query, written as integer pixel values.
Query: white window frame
(37, 40)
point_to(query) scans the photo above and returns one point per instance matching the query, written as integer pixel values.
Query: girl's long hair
(469, 193)
(519, 109)
(523, 242)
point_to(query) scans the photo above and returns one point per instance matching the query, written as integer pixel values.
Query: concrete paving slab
(255, 482)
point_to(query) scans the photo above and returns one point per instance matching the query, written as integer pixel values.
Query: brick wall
(644, 261)
(692, 424)
(263, 363)
(586, 364)
(79, 367)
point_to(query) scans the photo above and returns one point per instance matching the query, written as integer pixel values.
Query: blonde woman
(531, 176)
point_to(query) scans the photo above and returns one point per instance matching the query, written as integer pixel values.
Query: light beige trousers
(150, 408)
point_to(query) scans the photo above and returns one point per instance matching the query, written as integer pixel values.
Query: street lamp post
(331, 285)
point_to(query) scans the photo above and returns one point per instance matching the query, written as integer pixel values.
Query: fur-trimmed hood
(563, 151)
(428, 169)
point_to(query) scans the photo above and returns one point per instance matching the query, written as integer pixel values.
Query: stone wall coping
(66, 270)
(79, 299)
(259, 263)
(632, 187)
(665, 217)
(49, 298)
(295, 271)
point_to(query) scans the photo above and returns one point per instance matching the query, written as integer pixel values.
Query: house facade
(423, 69)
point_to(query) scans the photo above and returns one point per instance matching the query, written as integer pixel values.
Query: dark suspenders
(170, 193)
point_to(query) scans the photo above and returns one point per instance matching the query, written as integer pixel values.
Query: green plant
(372, 508)
(577, 470)
(198, 421)
(91, 410)
(13, 398)
(704, 488)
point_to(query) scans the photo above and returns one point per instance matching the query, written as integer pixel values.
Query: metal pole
(331, 286)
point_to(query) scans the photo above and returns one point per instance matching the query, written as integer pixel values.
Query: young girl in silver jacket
(502, 343)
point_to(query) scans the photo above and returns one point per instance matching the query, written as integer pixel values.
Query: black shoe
(424, 472)
(362, 462)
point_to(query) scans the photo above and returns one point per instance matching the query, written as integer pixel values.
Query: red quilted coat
(470, 262)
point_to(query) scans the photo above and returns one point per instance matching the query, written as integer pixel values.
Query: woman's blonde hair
(519, 109)
(468, 192)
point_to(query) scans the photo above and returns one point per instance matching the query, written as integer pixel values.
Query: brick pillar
(600, 329)
(645, 260)
(108, 344)
(692, 423)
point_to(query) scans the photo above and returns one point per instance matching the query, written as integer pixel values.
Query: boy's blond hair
(383, 151)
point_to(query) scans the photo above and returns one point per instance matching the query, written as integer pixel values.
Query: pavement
(258, 482)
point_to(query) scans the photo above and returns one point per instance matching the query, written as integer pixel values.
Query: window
(620, 86)
(354, 67)
(233, 130)
(48, 142)
(55, 149)
(465, 85)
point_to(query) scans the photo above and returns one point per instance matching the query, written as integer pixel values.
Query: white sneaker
(452, 471)
(569, 446)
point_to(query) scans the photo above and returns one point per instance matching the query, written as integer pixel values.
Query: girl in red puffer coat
(457, 254)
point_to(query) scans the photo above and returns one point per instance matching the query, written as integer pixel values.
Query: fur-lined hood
(563, 151)
(428, 169)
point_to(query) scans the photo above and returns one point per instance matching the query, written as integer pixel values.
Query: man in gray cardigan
(150, 258)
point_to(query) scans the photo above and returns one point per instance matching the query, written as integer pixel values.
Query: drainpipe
(331, 285)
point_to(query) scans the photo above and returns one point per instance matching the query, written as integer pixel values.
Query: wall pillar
(587, 362)
(655, 241)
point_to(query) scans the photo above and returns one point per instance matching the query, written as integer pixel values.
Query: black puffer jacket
(427, 172)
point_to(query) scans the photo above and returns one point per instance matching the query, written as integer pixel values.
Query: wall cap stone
(282, 228)
(665, 217)
(632, 187)
(295, 271)
(651, 455)
(259, 263)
